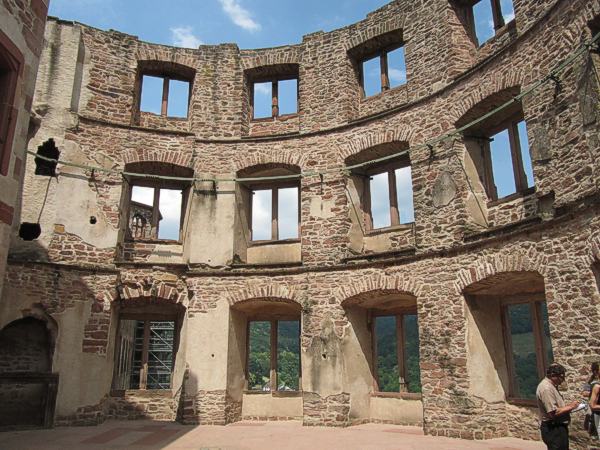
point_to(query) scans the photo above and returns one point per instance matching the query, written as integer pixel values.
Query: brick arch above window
(248, 163)
(287, 293)
(486, 267)
(378, 282)
(173, 157)
(398, 136)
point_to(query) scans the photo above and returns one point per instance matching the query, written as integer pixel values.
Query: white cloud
(397, 75)
(240, 16)
(508, 17)
(262, 88)
(184, 37)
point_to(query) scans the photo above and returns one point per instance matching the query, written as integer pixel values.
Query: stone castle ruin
(408, 243)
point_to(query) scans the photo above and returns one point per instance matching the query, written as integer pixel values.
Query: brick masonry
(75, 269)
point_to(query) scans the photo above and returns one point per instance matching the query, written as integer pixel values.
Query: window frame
(176, 316)
(497, 17)
(274, 188)
(166, 76)
(400, 346)
(11, 71)
(519, 176)
(383, 69)
(390, 168)
(274, 327)
(274, 96)
(535, 304)
(157, 185)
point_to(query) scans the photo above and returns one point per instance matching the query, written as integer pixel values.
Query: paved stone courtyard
(244, 435)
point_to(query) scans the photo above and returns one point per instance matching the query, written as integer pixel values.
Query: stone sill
(281, 118)
(401, 227)
(370, 256)
(153, 241)
(147, 393)
(509, 198)
(283, 241)
(379, 95)
(522, 402)
(276, 394)
(507, 28)
(400, 395)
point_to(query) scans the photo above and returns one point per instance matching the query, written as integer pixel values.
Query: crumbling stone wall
(77, 269)
(22, 34)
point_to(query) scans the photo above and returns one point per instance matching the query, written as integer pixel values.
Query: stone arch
(166, 60)
(358, 39)
(246, 163)
(486, 267)
(146, 155)
(27, 344)
(504, 83)
(153, 290)
(401, 134)
(268, 291)
(271, 57)
(377, 282)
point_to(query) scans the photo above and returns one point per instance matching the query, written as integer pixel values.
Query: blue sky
(249, 23)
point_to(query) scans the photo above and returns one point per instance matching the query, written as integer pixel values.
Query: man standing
(554, 414)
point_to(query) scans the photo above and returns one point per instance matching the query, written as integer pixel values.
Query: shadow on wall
(27, 385)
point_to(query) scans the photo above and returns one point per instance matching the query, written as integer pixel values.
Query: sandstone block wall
(82, 270)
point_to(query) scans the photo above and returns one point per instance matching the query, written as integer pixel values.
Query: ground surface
(244, 435)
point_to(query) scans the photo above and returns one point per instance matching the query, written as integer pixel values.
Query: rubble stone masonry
(463, 250)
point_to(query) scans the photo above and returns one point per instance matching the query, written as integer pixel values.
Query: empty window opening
(48, 150)
(383, 71)
(390, 196)
(397, 350)
(146, 354)
(165, 96)
(526, 330)
(155, 208)
(275, 213)
(498, 147)
(488, 16)
(510, 160)
(274, 98)
(273, 355)
(508, 335)
(155, 213)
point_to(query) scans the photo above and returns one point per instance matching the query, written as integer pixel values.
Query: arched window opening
(509, 335)
(273, 344)
(498, 147)
(385, 189)
(393, 326)
(271, 206)
(157, 207)
(147, 343)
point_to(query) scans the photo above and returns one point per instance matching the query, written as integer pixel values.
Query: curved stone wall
(87, 92)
